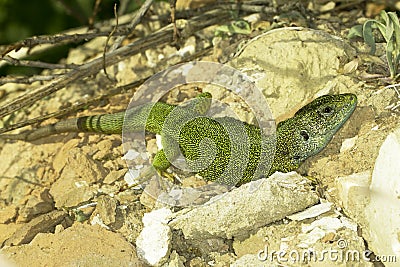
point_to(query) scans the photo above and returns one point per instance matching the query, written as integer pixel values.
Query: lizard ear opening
(305, 135)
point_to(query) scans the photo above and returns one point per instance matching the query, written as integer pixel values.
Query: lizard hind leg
(148, 172)
(161, 164)
(145, 174)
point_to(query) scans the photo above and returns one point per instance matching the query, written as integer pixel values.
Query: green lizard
(297, 138)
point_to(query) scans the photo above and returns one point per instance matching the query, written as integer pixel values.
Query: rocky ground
(65, 200)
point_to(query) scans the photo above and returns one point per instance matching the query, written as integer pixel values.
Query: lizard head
(311, 129)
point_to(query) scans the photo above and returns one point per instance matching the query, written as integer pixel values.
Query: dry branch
(205, 17)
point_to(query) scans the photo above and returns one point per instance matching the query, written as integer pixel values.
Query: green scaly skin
(208, 144)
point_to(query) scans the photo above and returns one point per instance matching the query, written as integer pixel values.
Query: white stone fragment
(131, 155)
(311, 212)
(4, 261)
(97, 220)
(158, 141)
(153, 243)
(131, 176)
(309, 239)
(284, 246)
(328, 6)
(187, 50)
(245, 208)
(348, 223)
(373, 200)
(348, 144)
(326, 223)
(353, 191)
(82, 183)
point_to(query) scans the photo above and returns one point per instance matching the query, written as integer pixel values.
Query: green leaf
(389, 31)
(241, 26)
(382, 28)
(368, 36)
(396, 42)
(389, 27)
(384, 16)
(355, 31)
(236, 27)
(396, 27)
(396, 62)
(389, 57)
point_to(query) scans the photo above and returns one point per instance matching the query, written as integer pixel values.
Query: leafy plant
(389, 27)
(235, 27)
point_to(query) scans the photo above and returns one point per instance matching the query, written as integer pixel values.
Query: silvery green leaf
(389, 56)
(396, 26)
(368, 36)
(355, 31)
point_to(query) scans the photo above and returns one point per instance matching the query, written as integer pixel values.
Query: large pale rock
(292, 65)
(373, 200)
(41, 224)
(353, 192)
(79, 245)
(248, 207)
(383, 210)
(79, 173)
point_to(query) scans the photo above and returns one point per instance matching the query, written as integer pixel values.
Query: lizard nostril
(296, 158)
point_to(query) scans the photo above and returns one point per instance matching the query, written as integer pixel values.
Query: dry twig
(116, 54)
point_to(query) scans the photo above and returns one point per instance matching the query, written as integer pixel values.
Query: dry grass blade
(161, 37)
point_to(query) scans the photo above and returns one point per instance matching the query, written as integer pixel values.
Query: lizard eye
(327, 110)
(305, 135)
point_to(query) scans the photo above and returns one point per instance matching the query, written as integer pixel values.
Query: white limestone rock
(311, 212)
(373, 200)
(247, 208)
(153, 243)
(383, 210)
(353, 192)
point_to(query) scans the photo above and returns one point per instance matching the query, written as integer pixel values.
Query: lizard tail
(31, 135)
(107, 123)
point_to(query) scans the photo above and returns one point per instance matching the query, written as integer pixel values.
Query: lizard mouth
(345, 106)
(349, 106)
